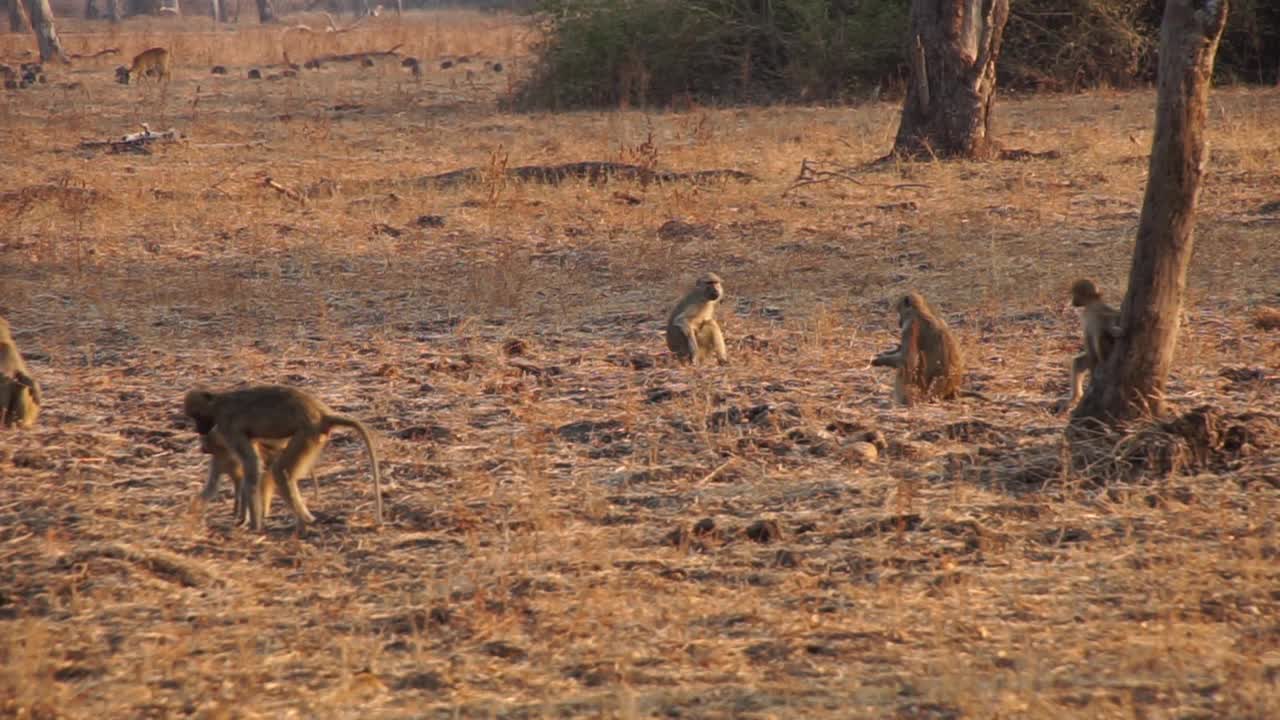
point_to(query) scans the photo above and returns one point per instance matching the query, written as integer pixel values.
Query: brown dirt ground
(541, 557)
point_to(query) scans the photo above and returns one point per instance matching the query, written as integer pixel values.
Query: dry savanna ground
(576, 526)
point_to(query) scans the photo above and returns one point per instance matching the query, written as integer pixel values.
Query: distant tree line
(655, 52)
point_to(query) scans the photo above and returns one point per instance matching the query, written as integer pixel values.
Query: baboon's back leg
(295, 463)
(23, 407)
(7, 390)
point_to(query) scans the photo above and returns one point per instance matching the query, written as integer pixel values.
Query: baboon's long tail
(359, 427)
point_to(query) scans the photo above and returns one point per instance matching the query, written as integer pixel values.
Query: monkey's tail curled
(359, 427)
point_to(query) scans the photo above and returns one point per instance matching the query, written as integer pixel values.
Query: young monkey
(238, 419)
(1100, 324)
(692, 331)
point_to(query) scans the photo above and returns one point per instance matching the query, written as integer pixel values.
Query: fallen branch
(333, 26)
(594, 172)
(134, 142)
(90, 56)
(291, 194)
(819, 172)
(352, 57)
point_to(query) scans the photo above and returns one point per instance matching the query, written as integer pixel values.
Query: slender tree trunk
(1131, 381)
(46, 36)
(113, 10)
(18, 21)
(266, 13)
(217, 10)
(952, 46)
(91, 10)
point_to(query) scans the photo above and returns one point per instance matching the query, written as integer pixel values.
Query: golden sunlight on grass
(577, 526)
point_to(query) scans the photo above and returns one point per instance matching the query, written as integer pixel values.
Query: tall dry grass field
(547, 463)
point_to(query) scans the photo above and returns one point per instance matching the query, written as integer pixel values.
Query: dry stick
(812, 174)
(716, 473)
(291, 194)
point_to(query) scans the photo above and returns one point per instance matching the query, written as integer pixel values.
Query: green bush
(607, 53)
(655, 52)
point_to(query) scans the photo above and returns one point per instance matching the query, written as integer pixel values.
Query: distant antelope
(149, 62)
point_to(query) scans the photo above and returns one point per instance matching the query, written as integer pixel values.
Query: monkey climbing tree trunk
(42, 24)
(1131, 381)
(952, 47)
(266, 13)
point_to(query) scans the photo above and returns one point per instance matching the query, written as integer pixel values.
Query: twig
(291, 194)
(716, 473)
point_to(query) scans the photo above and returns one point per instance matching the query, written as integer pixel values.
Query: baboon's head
(711, 287)
(198, 405)
(1083, 292)
(122, 75)
(912, 305)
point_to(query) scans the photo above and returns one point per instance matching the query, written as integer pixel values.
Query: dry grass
(530, 572)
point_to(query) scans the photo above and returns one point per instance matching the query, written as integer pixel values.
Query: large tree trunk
(953, 46)
(46, 36)
(18, 22)
(1131, 381)
(266, 13)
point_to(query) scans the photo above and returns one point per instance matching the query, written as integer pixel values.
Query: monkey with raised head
(238, 418)
(225, 462)
(692, 332)
(1100, 324)
(153, 61)
(928, 360)
(19, 392)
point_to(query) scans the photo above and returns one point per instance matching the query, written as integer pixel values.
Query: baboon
(154, 61)
(19, 392)
(225, 462)
(219, 70)
(237, 418)
(1101, 326)
(122, 74)
(254, 74)
(928, 359)
(692, 332)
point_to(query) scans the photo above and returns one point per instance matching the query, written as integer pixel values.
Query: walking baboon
(151, 62)
(692, 331)
(19, 392)
(237, 418)
(1100, 324)
(928, 360)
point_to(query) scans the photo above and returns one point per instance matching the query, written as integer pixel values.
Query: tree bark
(18, 21)
(1130, 382)
(46, 36)
(266, 13)
(952, 46)
(113, 10)
(218, 9)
